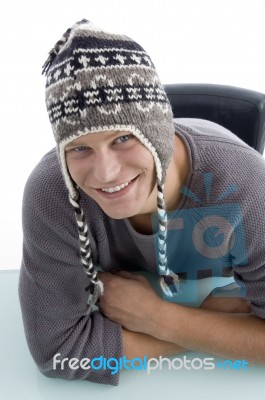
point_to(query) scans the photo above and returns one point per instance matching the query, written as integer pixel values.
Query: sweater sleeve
(251, 276)
(248, 168)
(233, 162)
(52, 284)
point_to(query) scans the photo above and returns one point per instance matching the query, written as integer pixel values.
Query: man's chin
(119, 214)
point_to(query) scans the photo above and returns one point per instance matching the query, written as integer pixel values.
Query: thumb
(124, 274)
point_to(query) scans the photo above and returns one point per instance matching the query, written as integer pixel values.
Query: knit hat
(99, 81)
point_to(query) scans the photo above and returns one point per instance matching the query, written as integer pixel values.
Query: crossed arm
(153, 327)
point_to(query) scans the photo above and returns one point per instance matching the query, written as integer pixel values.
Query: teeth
(116, 188)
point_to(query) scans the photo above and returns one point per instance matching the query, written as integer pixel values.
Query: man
(124, 171)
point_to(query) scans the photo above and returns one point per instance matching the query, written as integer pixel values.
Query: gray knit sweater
(52, 280)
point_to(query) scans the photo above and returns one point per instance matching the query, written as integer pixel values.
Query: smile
(116, 188)
(119, 190)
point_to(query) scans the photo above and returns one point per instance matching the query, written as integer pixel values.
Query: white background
(202, 41)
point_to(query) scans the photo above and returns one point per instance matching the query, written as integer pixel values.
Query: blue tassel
(170, 285)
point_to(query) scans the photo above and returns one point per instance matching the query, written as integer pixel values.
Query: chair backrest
(242, 111)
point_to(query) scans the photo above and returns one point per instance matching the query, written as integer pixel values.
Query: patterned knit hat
(98, 81)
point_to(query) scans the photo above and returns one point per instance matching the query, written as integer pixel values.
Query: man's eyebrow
(108, 136)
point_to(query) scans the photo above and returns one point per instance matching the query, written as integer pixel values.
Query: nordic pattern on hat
(99, 81)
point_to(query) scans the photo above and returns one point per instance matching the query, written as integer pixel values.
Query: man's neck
(176, 177)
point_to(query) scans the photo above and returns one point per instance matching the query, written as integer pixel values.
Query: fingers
(106, 276)
(226, 304)
(127, 274)
(101, 275)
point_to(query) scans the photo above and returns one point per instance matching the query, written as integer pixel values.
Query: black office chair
(242, 111)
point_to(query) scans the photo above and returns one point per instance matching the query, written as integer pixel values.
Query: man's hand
(129, 299)
(218, 300)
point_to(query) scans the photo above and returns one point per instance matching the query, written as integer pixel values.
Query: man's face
(116, 170)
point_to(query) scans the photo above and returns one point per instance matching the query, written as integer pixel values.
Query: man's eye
(123, 138)
(80, 149)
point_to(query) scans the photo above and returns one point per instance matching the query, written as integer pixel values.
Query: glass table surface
(21, 380)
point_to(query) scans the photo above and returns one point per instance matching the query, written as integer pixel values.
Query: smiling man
(117, 171)
(99, 208)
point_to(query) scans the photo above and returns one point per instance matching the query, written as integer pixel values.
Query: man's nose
(106, 167)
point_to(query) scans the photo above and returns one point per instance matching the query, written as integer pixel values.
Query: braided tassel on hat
(169, 281)
(86, 259)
